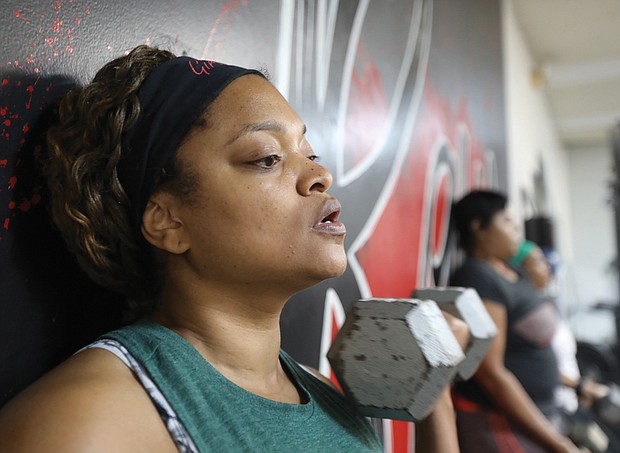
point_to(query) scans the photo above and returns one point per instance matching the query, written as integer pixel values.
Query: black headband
(172, 98)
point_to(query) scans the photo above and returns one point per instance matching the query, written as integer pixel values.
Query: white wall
(576, 180)
(591, 278)
(532, 137)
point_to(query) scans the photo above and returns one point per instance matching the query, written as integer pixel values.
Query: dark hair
(89, 206)
(479, 205)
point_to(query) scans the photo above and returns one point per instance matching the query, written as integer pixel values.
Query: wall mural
(403, 100)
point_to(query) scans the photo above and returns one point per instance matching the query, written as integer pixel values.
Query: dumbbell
(465, 304)
(608, 407)
(393, 367)
(394, 357)
(589, 434)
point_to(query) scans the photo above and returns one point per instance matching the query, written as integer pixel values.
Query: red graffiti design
(367, 111)
(399, 242)
(335, 328)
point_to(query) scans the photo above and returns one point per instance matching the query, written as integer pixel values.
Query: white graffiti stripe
(401, 153)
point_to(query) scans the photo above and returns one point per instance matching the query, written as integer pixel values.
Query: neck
(238, 334)
(488, 257)
(496, 262)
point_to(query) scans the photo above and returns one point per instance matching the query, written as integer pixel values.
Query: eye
(268, 161)
(314, 158)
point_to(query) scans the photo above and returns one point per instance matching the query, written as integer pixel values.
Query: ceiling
(576, 45)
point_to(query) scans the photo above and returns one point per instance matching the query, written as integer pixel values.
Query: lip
(331, 211)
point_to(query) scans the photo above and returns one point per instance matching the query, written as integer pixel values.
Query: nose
(313, 177)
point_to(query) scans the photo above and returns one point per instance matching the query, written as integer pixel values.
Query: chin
(335, 267)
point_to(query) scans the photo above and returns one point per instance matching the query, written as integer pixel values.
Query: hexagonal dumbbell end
(394, 357)
(465, 304)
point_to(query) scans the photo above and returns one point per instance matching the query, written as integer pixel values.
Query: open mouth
(330, 219)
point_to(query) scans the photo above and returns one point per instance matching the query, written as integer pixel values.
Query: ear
(474, 226)
(161, 227)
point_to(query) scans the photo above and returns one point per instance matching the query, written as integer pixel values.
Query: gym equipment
(465, 304)
(588, 434)
(394, 357)
(608, 407)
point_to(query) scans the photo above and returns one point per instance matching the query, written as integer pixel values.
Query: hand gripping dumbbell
(394, 357)
(465, 304)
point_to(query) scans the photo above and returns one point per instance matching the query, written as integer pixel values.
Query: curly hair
(89, 206)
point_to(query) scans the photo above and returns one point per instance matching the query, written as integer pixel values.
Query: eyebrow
(269, 125)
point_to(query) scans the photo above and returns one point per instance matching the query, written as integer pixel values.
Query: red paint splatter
(3, 111)
(7, 123)
(87, 10)
(57, 25)
(11, 204)
(26, 128)
(30, 89)
(78, 20)
(6, 223)
(19, 15)
(12, 182)
(224, 11)
(3, 163)
(5, 82)
(24, 206)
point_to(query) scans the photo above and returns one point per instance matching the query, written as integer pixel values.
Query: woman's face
(261, 214)
(500, 237)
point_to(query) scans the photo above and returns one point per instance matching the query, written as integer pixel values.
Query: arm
(587, 390)
(437, 432)
(509, 395)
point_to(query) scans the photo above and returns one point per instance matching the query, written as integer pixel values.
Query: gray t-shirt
(531, 323)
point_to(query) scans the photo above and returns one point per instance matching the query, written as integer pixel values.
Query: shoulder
(472, 271)
(91, 402)
(479, 275)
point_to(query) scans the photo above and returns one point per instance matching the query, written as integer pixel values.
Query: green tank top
(222, 417)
